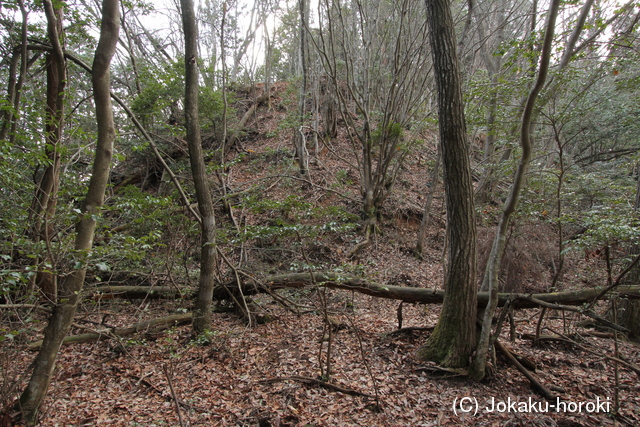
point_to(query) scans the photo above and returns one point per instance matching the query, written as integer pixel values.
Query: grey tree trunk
(454, 337)
(301, 142)
(202, 310)
(14, 89)
(45, 200)
(490, 280)
(431, 189)
(71, 284)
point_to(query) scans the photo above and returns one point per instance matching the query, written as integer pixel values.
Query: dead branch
(442, 371)
(134, 292)
(585, 312)
(410, 329)
(626, 363)
(143, 381)
(31, 306)
(167, 374)
(533, 380)
(618, 280)
(154, 325)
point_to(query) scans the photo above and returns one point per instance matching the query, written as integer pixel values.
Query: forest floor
(270, 374)
(262, 376)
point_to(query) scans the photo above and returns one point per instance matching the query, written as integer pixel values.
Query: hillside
(272, 371)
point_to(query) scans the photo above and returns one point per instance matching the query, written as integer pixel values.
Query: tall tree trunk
(225, 105)
(14, 90)
(45, 199)
(636, 203)
(490, 280)
(202, 310)
(301, 142)
(267, 65)
(493, 64)
(129, 46)
(454, 337)
(431, 189)
(71, 284)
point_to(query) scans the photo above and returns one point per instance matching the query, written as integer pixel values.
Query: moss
(442, 348)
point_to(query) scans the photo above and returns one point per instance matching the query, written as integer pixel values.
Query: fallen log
(364, 286)
(153, 325)
(135, 292)
(431, 296)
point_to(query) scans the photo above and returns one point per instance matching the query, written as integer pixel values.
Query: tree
(492, 64)
(71, 283)
(236, 24)
(45, 200)
(9, 115)
(301, 142)
(453, 339)
(490, 280)
(374, 54)
(202, 310)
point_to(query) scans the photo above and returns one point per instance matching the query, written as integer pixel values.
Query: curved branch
(138, 125)
(490, 280)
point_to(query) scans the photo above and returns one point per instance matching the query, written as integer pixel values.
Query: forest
(319, 213)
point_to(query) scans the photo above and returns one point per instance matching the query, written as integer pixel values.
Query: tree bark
(454, 337)
(202, 309)
(45, 200)
(71, 284)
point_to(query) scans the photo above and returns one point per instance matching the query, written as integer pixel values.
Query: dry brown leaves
(220, 383)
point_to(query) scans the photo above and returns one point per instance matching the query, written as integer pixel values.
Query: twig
(327, 332)
(449, 372)
(539, 326)
(173, 393)
(238, 282)
(285, 302)
(33, 306)
(586, 312)
(330, 190)
(616, 367)
(618, 280)
(313, 381)
(629, 365)
(503, 314)
(366, 364)
(143, 381)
